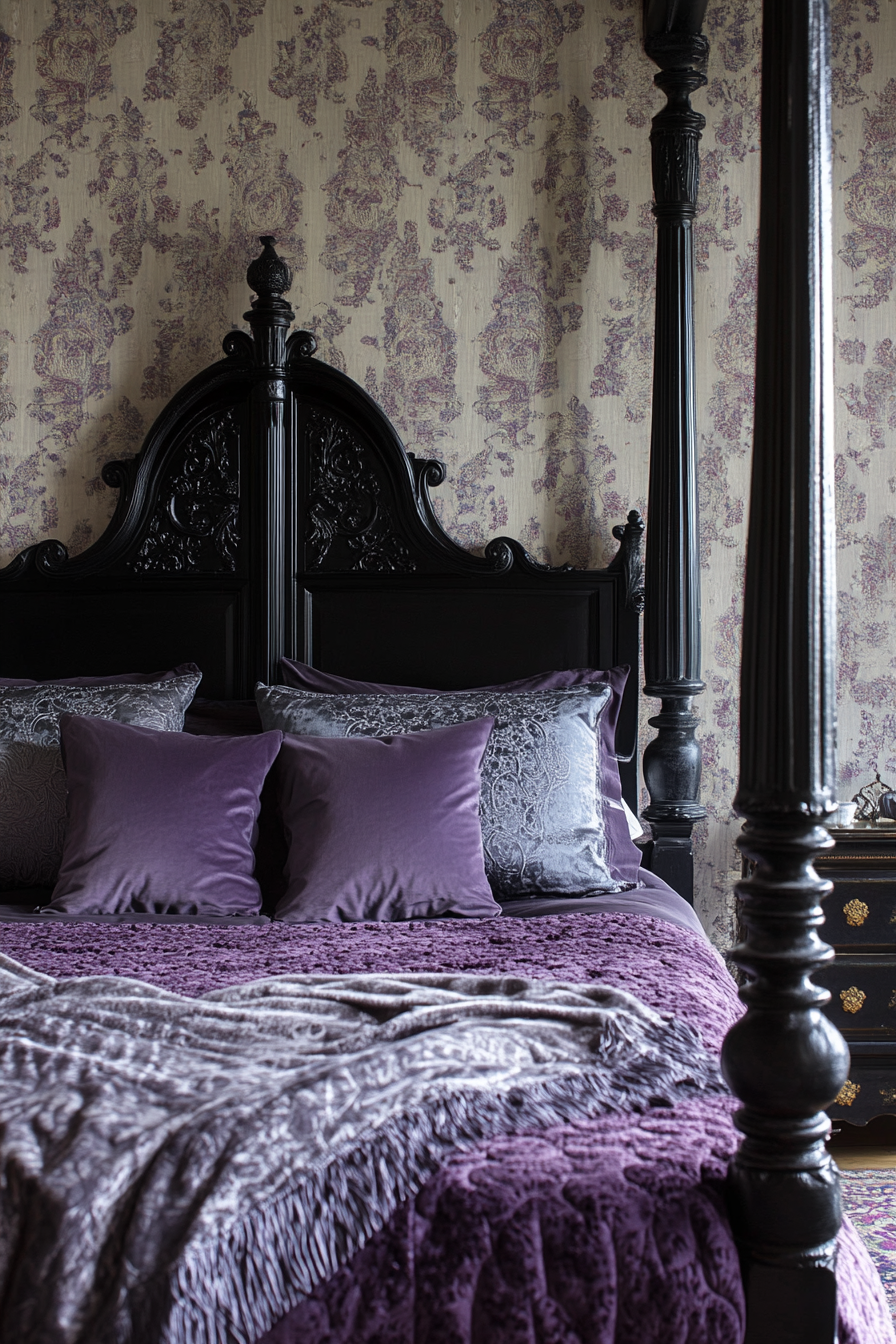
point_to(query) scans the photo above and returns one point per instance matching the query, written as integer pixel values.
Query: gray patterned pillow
(543, 827)
(32, 779)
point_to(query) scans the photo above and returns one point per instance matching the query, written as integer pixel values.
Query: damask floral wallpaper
(463, 192)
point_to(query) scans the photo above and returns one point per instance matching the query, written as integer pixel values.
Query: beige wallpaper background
(463, 191)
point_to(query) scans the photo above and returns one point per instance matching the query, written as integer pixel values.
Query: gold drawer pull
(852, 998)
(856, 913)
(847, 1094)
(892, 1003)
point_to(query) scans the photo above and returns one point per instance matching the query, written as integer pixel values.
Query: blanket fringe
(239, 1287)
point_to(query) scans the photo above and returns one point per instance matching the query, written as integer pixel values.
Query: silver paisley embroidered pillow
(32, 778)
(543, 829)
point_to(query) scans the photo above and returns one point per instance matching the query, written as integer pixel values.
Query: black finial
(268, 275)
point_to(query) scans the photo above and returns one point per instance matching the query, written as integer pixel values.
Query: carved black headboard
(273, 509)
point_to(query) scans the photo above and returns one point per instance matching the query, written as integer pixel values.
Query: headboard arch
(274, 510)
(172, 445)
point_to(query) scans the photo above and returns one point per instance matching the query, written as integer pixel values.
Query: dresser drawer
(861, 910)
(870, 1089)
(860, 923)
(863, 995)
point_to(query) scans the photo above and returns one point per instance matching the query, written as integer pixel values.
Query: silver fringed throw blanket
(186, 1170)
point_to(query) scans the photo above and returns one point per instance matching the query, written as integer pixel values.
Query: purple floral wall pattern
(463, 192)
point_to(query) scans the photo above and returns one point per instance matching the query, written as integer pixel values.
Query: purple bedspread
(598, 1232)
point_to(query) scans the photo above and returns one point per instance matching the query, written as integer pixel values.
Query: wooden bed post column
(672, 761)
(270, 319)
(784, 1059)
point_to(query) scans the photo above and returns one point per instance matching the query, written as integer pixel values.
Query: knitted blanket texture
(186, 1170)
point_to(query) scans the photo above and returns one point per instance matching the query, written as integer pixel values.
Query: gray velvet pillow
(32, 779)
(624, 857)
(543, 828)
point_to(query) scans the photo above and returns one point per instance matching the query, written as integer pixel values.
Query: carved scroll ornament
(346, 501)
(195, 524)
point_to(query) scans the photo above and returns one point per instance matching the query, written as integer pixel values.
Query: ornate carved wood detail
(238, 345)
(194, 527)
(628, 558)
(300, 345)
(784, 1059)
(269, 275)
(675, 137)
(346, 501)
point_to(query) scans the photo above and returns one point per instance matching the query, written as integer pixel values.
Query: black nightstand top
(862, 839)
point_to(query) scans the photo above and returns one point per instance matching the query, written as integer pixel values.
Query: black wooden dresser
(861, 926)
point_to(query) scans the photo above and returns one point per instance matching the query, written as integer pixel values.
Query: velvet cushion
(159, 822)
(543, 826)
(32, 781)
(304, 677)
(623, 856)
(383, 828)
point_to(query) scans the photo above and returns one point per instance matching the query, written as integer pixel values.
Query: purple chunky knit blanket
(589, 1232)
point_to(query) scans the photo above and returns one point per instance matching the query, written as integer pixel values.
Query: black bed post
(784, 1060)
(270, 319)
(672, 761)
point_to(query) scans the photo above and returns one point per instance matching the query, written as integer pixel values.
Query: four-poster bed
(273, 513)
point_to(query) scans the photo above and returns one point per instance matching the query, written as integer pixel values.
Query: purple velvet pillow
(161, 823)
(623, 856)
(384, 828)
(125, 679)
(303, 677)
